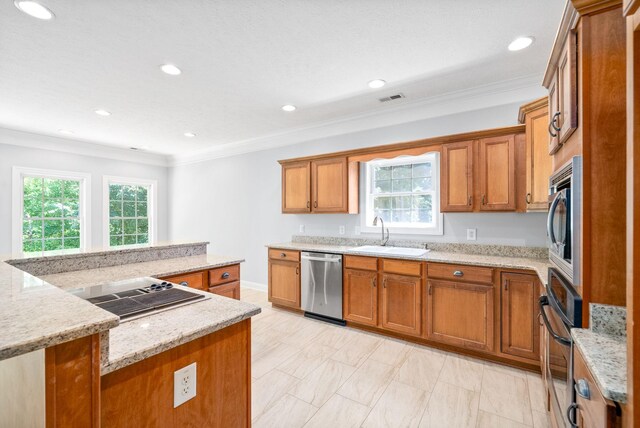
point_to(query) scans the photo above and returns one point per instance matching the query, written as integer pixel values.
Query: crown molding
(522, 89)
(78, 147)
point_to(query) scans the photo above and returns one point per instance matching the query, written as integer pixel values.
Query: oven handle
(544, 301)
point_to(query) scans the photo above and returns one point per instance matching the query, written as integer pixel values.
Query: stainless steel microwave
(563, 223)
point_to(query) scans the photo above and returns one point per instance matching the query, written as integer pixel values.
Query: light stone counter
(538, 265)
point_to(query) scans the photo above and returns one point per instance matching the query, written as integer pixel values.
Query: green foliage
(128, 223)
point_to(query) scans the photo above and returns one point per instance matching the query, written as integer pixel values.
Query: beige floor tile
(368, 382)
(310, 358)
(505, 395)
(541, 419)
(537, 393)
(451, 406)
(357, 349)
(305, 335)
(263, 363)
(339, 412)
(505, 369)
(318, 387)
(269, 389)
(463, 372)
(421, 369)
(391, 351)
(291, 324)
(288, 411)
(259, 345)
(400, 406)
(336, 337)
(489, 420)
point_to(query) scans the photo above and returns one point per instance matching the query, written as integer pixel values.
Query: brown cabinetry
(193, 280)
(497, 173)
(537, 159)
(360, 296)
(224, 280)
(402, 304)
(518, 302)
(460, 314)
(320, 186)
(456, 177)
(284, 278)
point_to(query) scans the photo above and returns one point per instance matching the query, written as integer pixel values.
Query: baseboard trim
(254, 285)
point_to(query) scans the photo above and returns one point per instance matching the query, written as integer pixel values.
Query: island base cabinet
(402, 304)
(141, 394)
(360, 297)
(284, 283)
(231, 290)
(460, 314)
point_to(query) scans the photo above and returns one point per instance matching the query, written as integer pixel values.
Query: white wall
(235, 202)
(26, 156)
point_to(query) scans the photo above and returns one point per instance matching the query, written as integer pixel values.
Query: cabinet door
(538, 160)
(296, 187)
(460, 314)
(360, 296)
(456, 176)
(284, 283)
(193, 280)
(329, 181)
(567, 121)
(498, 174)
(231, 290)
(402, 304)
(520, 329)
(554, 112)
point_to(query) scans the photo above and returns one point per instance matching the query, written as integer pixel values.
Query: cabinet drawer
(460, 273)
(193, 280)
(595, 411)
(224, 274)
(362, 263)
(277, 254)
(402, 267)
(231, 290)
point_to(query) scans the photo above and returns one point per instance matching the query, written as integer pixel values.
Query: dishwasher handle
(320, 259)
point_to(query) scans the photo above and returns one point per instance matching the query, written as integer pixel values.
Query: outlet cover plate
(184, 385)
(471, 234)
(341, 230)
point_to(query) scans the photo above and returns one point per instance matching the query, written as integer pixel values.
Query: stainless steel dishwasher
(321, 284)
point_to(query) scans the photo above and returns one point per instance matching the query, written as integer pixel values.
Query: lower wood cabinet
(360, 296)
(232, 290)
(193, 280)
(460, 314)
(224, 280)
(284, 283)
(520, 331)
(402, 304)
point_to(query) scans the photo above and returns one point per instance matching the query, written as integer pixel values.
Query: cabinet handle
(458, 273)
(315, 204)
(184, 283)
(384, 283)
(528, 198)
(225, 275)
(571, 415)
(582, 389)
(283, 255)
(429, 289)
(470, 199)
(506, 286)
(553, 134)
(308, 204)
(373, 282)
(553, 121)
(484, 200)
(297, 270)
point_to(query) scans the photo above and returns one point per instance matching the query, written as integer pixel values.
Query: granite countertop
(540, 266)
(26, 327)
(606, 358)
(156, 268)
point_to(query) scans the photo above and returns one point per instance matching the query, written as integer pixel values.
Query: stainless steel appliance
(321, 286)
(560, 310)
(563, 223)
(138, 297)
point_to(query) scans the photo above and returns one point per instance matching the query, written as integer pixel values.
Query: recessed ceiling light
(102, 112)
(65, 131)
(378, 83)
(288, 107)
(189, 134)
(170, 69)
(34, 9)
(520, 43)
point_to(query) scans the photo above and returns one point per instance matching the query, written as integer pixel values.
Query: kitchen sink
(390, 251)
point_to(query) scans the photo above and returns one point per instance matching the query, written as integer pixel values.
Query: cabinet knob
(184, 283)
(582, 389)
(458, 273)
(225, 275)
(283, 255)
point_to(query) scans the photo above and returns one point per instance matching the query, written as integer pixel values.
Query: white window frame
(366, 218)
(17, 203)
(152, 207)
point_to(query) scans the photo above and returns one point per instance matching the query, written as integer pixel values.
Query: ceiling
(242, 60)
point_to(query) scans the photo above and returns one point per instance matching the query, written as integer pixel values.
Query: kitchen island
(98, 368)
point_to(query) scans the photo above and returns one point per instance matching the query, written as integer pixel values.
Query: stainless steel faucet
(384, 240)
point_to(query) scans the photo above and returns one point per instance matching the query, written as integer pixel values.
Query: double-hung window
(405, 193)
(50, 211)
(130, 211)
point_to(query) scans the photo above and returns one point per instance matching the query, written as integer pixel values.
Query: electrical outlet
(184, 384)
(341, 230)
(301, 229)
(471, 234)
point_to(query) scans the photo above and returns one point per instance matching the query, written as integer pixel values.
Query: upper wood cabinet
(537, 159)
(402, 304)
(320, 186)
(360, 296)
(497, 173)
(456, 177)
(519, 312)
(296, 187)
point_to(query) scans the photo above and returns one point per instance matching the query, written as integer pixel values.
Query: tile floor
(308, 373)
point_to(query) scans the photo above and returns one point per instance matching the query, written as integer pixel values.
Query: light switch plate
(184, 385)
(301, 229)
(471, 234)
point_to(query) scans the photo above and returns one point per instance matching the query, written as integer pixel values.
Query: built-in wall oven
(563, 223)
(560, 310)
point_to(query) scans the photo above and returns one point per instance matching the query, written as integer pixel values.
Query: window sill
(403, 230)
